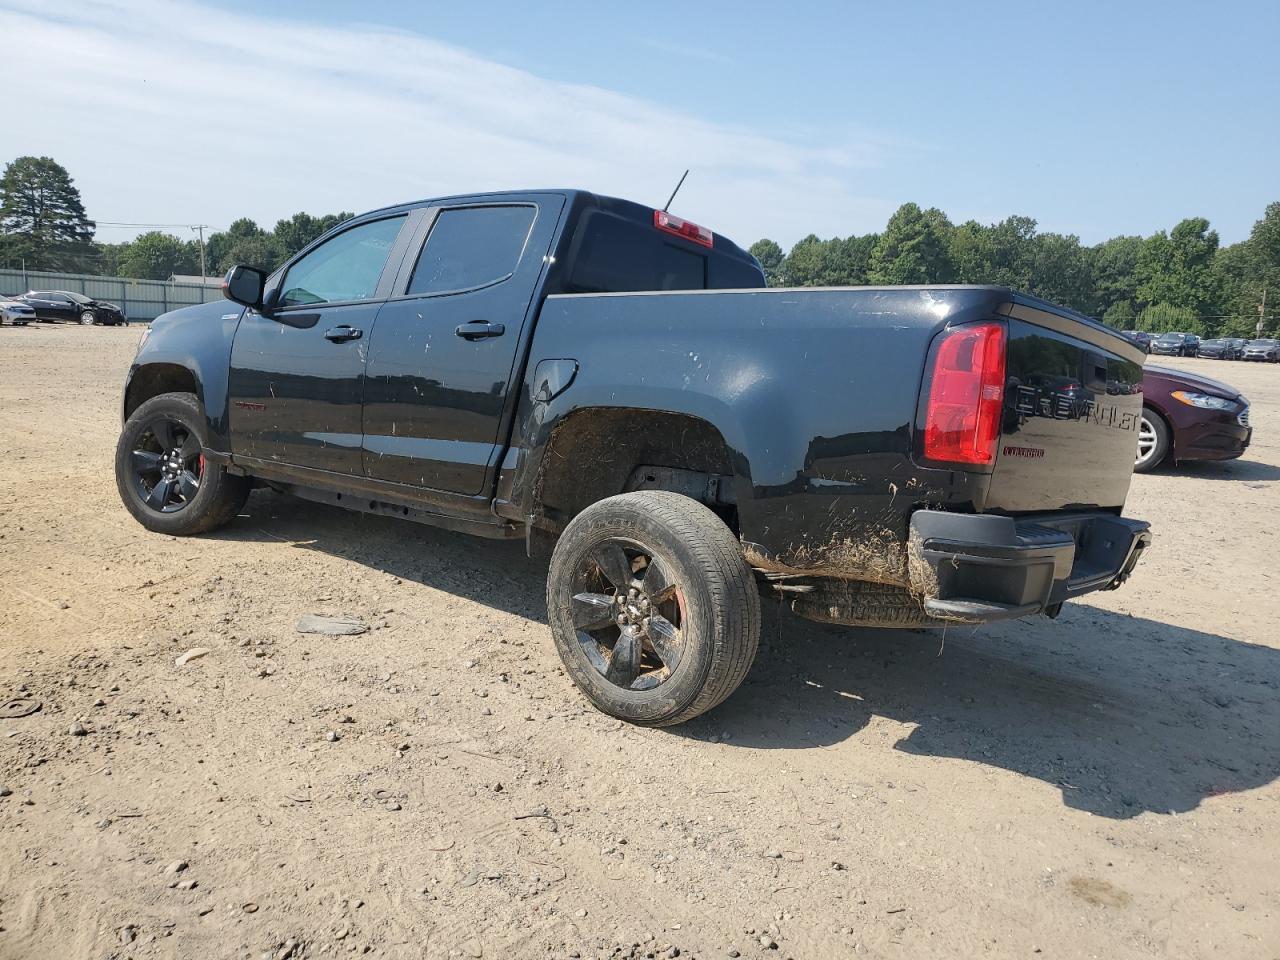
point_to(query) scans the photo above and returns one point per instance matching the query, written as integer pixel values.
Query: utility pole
(1262, 312)
(199, 228)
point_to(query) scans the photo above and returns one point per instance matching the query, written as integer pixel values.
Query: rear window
(472, 247)
(612, 254)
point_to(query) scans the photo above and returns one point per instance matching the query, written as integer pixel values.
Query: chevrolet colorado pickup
(617, 383)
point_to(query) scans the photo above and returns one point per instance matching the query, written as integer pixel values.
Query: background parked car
(51, 305)
(15, 313)
(1189, 417)
(1221, 348)
(1140, 337)
(1175, 345)
(1262, 350)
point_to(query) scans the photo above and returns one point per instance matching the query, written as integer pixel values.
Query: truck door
(297, 377)
(444, 353)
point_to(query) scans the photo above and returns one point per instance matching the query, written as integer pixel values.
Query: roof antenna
(675, 191)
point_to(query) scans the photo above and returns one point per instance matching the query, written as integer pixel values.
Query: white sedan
(15, 313)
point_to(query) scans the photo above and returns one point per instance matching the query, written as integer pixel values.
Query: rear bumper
(975, 568)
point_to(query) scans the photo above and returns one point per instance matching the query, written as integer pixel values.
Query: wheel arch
(152, 379)
(597, 452)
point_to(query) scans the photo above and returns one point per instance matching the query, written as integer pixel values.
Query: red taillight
(682, 228)
(966, 394)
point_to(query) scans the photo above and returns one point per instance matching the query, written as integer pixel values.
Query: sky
(1096, 119)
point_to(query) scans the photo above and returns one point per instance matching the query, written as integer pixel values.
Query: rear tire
(652, 607)
(162, 475)
(1154, 442)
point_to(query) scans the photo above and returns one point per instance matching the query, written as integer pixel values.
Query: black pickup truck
(617, 383)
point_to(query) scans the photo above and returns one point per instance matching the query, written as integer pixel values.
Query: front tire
(87, 318)
(652, 607)
(162, 474)
(1154, 442)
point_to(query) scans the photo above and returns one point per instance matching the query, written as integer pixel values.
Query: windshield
(1172, 336)
(1263, 343)
(79, 297)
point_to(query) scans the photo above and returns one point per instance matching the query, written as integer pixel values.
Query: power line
(116, 223)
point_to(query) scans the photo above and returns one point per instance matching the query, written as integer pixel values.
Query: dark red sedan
(1189, 417)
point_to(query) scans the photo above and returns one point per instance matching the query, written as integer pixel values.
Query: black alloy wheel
(166, 478)
(167, 465)
(627, 609)
(652, 606)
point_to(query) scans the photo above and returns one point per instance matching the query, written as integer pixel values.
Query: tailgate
(1073, 403)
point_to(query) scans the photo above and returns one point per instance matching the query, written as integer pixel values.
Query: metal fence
(141, 300)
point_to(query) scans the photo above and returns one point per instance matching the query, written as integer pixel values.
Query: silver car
(1267, 350)
(14, 313)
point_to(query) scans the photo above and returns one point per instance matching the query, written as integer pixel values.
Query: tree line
(157, 256)
(44, 226)
(1180, 279)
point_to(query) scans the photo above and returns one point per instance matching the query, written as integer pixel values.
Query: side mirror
(243, 285)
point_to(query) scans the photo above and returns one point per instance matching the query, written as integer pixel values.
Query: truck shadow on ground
(1122, 714)
(1223, 470)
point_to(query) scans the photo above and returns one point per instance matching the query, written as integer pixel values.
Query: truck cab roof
(611, 245)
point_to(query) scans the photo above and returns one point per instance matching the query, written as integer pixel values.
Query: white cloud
(177, 112)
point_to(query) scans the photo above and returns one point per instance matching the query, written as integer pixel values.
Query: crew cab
(616, 383)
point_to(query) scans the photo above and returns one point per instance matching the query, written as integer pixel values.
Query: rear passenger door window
(471, 247)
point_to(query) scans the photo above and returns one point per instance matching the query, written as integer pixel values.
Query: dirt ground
(1103, 785)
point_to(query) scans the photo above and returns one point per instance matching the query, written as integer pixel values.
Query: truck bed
(817, 393)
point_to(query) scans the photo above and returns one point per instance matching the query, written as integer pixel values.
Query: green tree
(42, 218)
(1060, 271)
(1176, 268)
(1249, 273)
(1166, 318)
(1236, 275)
(299, 230)
(770, 255)
(1112, 264)
(804, 264)
(108, 258)
(1002, 254)
(262, 251)
(829, 263)
(244, 242)
(157, 256)
(857, 257)
(1120, 316)
(913, 248)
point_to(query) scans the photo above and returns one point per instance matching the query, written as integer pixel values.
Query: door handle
(479, 330)
(342, 334)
